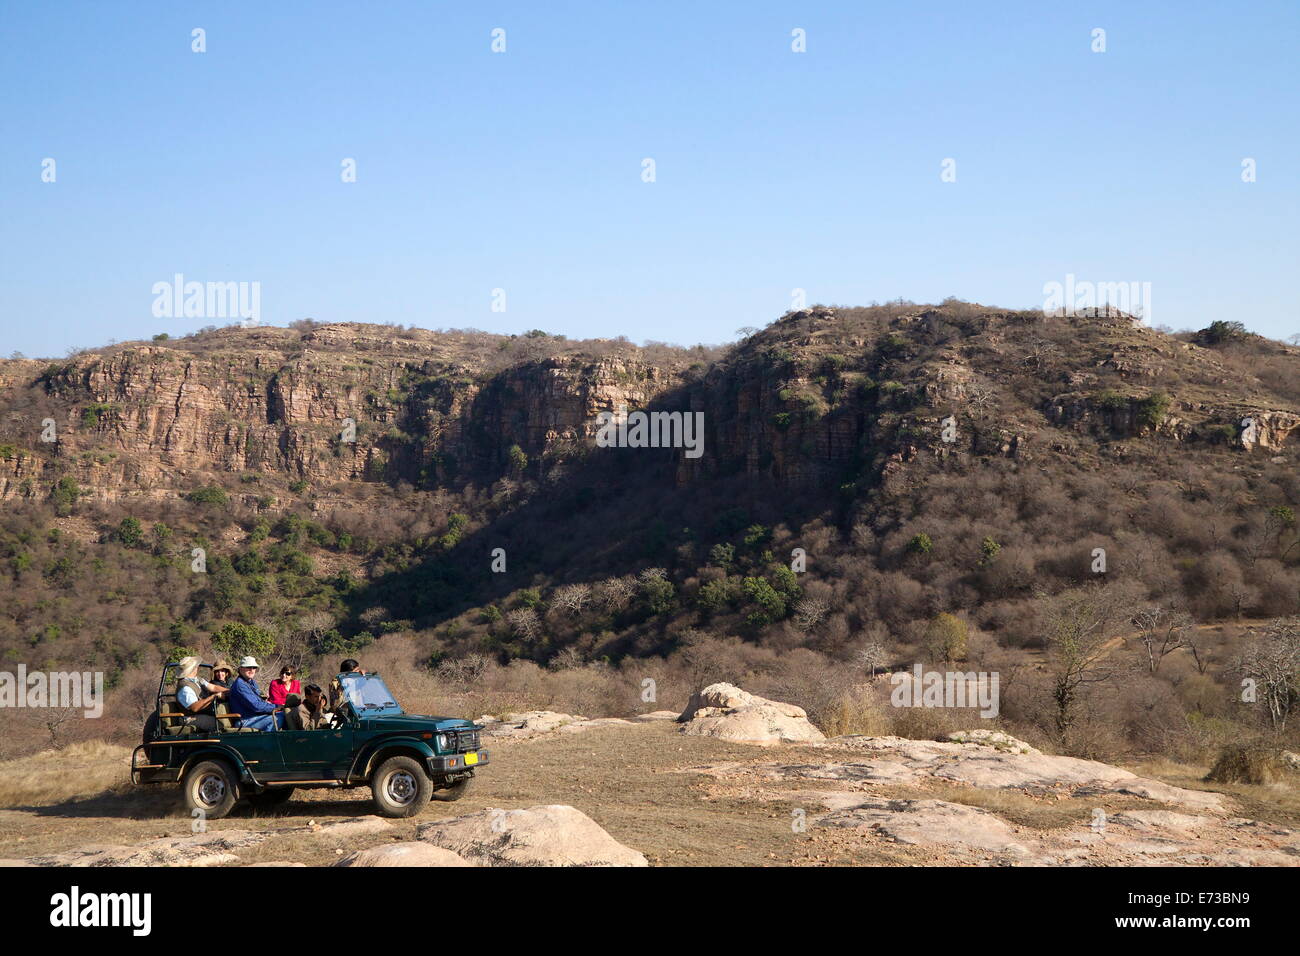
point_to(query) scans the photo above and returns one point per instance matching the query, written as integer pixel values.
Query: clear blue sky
(522, 170)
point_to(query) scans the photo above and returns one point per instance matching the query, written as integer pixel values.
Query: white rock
(538, 836)
(404, 854)
(729, 713)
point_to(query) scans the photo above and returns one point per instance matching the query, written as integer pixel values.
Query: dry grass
(79, 770)
(1040, 813)
(1277, 803)
(1247, 763)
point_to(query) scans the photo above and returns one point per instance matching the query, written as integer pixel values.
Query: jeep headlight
(443, 743)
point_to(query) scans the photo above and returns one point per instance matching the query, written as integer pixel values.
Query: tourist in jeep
(246, 700)
(197, 696)
(308, 712)
(221, 675)
(283, 686)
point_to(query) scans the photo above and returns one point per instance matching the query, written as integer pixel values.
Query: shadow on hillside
(610, 512)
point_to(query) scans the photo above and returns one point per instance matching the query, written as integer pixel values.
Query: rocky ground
(565, 790)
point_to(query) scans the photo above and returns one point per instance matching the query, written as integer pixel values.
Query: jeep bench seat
(176, 723)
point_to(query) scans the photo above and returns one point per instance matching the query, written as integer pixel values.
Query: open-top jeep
(406, 759)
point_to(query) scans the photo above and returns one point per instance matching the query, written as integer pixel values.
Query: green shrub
(128, 533)
(946, 637)
(1151, 411)
(768, 603)
(209, 495)
(65, 494)
(234, 640)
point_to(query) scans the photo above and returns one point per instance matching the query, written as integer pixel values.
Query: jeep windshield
(368, 695)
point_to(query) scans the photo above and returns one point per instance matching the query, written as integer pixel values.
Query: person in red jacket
(283, 686)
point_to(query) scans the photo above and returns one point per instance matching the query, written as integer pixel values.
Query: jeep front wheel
(401, 787)
(453, 791)
(210, 787)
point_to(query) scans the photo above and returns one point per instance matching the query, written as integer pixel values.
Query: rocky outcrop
(404, 854)
(967, 825)
(992, 738)
(725, 711)
(1266, 429)
(536, 836)
(929, 822)
(202, 849)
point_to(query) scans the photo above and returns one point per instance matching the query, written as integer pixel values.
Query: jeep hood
(415, 723)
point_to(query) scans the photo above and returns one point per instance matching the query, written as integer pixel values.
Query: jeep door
(261, 751)
(317, 754)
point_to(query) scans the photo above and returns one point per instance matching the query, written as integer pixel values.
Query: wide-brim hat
(250, 661)
(222, 665)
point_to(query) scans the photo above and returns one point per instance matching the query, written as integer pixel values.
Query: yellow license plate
(471, 759)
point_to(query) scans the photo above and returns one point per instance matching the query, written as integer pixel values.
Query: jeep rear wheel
(401, 787)
(453, 791)
(211, 788)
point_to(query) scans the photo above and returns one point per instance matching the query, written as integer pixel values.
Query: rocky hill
(869, 480)
(802, 402)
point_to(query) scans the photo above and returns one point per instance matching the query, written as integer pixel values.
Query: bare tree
(616, 593)
(525, 623)
(572, 597)
(54, 718)
(1272, 663)
(979, 396)
(1161, 632)
(1198, 645)
(567, 659)
(1040, 353)
(809, 612)
(873, 657)
(469, 669)
(1078, 626)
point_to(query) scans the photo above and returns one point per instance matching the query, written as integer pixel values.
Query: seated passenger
(197, 696)
(312, 712)
(221, 674)
(246, 700)
(283, 686)
(306, 713)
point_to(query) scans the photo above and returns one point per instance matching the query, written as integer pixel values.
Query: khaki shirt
(303, 717)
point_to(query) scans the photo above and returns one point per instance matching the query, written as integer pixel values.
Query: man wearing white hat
(246, 700)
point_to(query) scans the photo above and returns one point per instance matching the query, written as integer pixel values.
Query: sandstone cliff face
(155, 420)
(815, 400)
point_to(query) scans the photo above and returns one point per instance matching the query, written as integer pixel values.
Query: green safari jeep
(405, 759)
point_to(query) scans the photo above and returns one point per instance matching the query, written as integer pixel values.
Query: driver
(337, 695)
